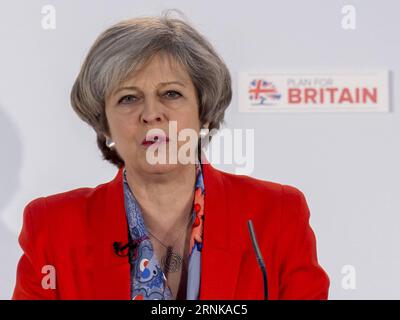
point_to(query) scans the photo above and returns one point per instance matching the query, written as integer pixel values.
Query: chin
(164, 166)
(159, 168)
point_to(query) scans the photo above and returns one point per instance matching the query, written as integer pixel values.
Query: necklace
(172, 261)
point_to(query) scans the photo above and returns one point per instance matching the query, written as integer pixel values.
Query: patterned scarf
(148, 281)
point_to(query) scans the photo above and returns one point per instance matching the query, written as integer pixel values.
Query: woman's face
(158, 94)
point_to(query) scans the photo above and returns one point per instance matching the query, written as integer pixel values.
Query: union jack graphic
(262, 92)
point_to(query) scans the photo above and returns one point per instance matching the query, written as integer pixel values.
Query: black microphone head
(117, 246)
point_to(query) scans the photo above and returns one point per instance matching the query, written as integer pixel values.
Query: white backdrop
(347, 165)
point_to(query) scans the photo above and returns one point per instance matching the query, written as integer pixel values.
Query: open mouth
(154, 139)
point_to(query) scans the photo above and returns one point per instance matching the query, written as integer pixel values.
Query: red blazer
(75, 231)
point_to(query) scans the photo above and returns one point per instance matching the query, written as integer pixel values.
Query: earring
(203, 132)
(109, 143)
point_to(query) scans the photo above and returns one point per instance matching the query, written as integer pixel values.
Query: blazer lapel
(220, 256)
(111, 273)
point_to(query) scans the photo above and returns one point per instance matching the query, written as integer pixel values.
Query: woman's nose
(151, 118)
(151, 112)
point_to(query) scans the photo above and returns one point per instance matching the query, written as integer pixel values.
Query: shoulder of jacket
(264, 194)
(72, 202)
(248, 184)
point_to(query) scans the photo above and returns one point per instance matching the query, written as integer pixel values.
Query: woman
(171, 229)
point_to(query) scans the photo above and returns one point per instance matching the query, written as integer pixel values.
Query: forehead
(160, 68)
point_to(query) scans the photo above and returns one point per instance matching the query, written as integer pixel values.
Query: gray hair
(125, 47)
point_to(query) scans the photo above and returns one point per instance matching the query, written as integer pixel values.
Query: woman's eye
(127, 99)
(172, 94)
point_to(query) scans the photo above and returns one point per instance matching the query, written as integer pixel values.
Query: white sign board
(337, 91)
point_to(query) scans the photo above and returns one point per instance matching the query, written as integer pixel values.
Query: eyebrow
(161, 84)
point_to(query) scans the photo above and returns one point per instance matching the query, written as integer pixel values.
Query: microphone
(260, 259)
(119, 248)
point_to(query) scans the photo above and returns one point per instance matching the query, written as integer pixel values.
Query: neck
(165, 199)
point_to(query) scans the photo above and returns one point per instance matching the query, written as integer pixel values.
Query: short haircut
(125, 47)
